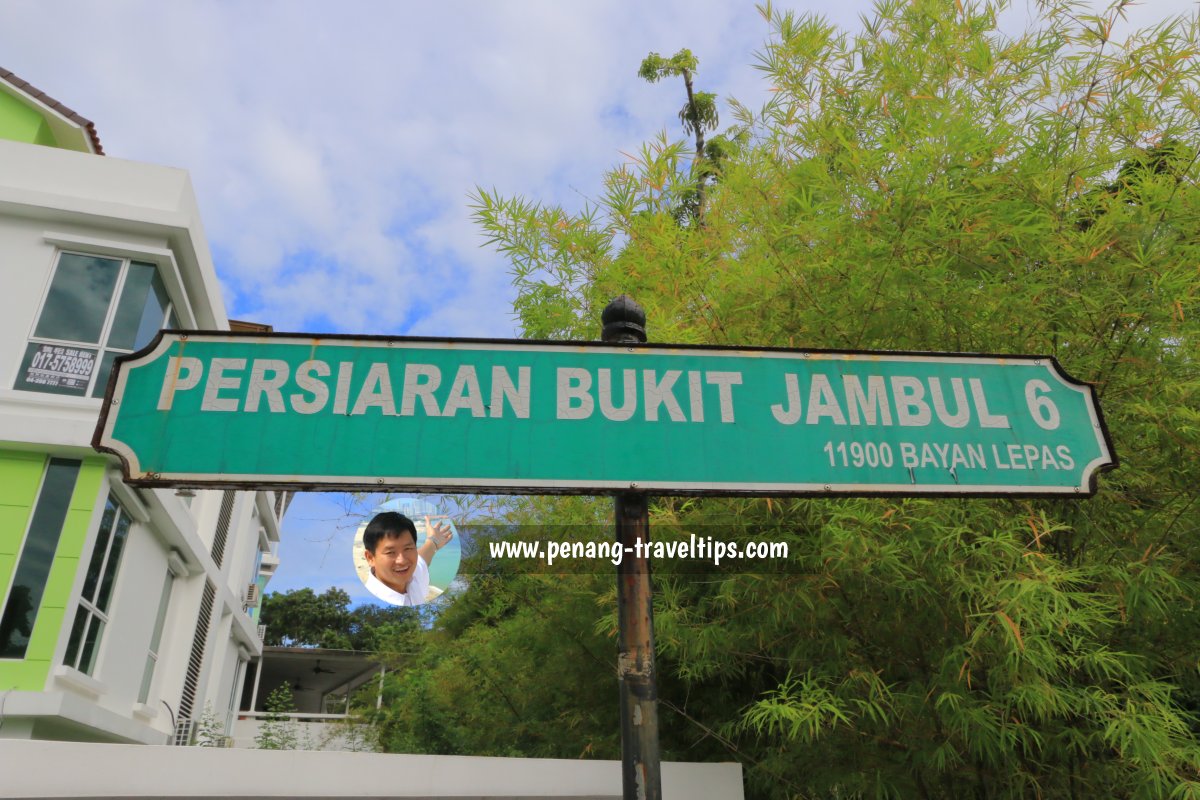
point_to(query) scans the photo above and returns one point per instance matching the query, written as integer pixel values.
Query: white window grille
(185, 729)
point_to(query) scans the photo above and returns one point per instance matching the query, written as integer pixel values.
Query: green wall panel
(7, 562)
(19, 476)
(14, 520)
(75, 527)
(24, 676)
(30, 673)
(45, 638)
(58, 584)
(88, 486)
(22, 123)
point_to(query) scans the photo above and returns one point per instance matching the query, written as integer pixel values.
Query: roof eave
(56, 111)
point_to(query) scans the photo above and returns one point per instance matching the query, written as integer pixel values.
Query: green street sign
(295, 411)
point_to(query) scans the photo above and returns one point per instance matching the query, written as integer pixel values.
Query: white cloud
(333, 147)
(350, 140)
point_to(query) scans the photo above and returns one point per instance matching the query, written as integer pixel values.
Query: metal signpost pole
(625, 322)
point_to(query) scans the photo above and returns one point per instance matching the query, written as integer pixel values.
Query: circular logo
(441, 556)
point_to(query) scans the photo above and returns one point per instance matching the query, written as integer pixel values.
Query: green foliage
(278, 731)
(928, 183)
(513, 667)
(303, 618)
(699, 114)
(654, 67)
(351, 735)
(210, 729)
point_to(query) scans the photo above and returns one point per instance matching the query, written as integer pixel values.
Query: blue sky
(333, 147)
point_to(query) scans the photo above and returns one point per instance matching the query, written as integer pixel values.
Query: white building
(124, 613)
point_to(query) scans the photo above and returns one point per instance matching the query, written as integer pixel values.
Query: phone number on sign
(62, 364)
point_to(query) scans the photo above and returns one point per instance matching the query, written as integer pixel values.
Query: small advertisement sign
(58, 367)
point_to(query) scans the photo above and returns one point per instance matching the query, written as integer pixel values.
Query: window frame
(146, 688)
(235, 692)
(167, 276)
(6, 596)
(87, 607)
(165, 260)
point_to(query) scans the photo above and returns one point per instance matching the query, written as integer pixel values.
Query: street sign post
(330, 412)
(637, 678)
(295, 411)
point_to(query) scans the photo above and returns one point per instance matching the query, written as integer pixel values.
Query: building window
(164, 601)
(33, 565)
(235, 692)
(92, 616)
(97, 309)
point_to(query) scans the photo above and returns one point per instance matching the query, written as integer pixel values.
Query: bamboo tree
(930, 182)
(699, 113)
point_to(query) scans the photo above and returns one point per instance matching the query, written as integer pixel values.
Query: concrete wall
(120, 771)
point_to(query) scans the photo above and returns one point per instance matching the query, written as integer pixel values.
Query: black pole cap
(624, 321)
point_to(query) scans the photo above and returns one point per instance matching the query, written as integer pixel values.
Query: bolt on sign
(289, 410)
